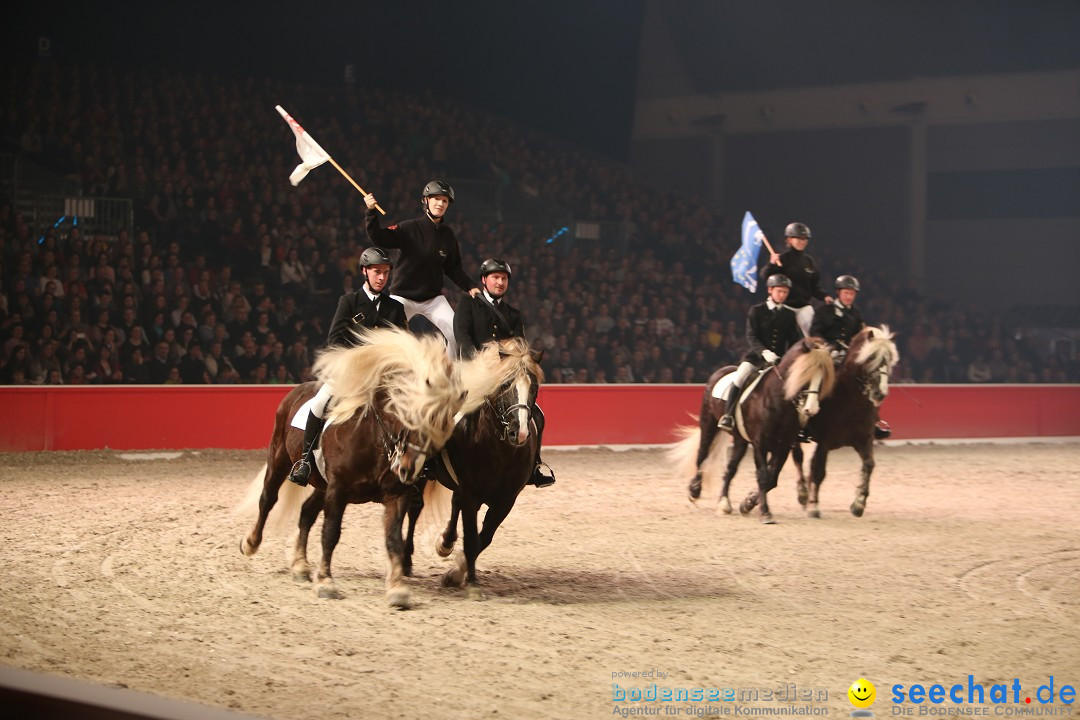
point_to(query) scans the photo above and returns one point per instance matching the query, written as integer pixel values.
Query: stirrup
(804, 437)
(301, 471)
(429, 470)
(727, 422)
(882, 430)
(541, 479)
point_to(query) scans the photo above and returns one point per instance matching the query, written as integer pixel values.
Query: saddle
(720, 390)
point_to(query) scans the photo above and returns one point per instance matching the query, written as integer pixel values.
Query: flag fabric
(744, 263)
(311, 154)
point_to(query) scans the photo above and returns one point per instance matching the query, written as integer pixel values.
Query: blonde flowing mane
(422, 389)
(494, 366)
(876, 348)
(804, 367)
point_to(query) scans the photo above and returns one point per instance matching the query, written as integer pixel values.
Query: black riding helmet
(847, 282)
(797, 230)
(438, 187)
(374, 256)
(778, 281)
(495, 265)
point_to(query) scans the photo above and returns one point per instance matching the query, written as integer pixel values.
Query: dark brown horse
(769, 419)
(490, 456)
(394, 403)
(848, 416)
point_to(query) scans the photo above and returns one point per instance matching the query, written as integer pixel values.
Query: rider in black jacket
(368, 307)
(802, 270)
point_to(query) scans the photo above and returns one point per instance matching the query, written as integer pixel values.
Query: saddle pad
(721, 386)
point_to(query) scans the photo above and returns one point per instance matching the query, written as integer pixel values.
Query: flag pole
(347, 177)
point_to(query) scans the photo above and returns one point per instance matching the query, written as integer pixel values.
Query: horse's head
(809, 375)
(427, 405)
(505, 376)
(871, 358)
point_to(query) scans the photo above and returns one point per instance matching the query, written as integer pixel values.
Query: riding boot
(301, 471)
(539, 478)
(727, 422)
(731, 397)
(804, 435)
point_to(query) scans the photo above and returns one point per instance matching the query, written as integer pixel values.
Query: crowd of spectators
(232, 274)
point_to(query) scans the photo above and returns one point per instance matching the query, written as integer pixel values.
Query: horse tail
(249, 505)
(434, 516)
(286, 511)
(816, 362)
(683, 454)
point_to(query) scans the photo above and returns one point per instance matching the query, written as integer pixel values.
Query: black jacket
(477, 323)
(428, 251)
(776, 331)
(355, 311)
(837, 324)
(803, 273)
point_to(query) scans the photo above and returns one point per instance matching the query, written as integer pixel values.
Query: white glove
(770, 356)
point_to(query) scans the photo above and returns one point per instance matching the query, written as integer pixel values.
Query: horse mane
(874, 347)
(495, 365)
(798, 368)
(421, 388)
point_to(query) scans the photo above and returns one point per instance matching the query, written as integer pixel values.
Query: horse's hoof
(399, 598)
(803, 497)
(695, 491)
(328, 592)
(473, 592)
(858, 508)
(767, 519)
(246, 548)
(451, 579)
(815, 513)
(443, 550)
(301, 576)
(725, 505)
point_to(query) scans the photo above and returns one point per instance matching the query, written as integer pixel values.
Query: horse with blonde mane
(848, 417)
(490, 456)
(395, 399)
(772, 410)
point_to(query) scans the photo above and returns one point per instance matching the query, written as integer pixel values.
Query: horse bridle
(504, 413)
(395, 444)
(871, 379)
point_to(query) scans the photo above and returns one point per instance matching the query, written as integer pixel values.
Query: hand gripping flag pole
(312, 155)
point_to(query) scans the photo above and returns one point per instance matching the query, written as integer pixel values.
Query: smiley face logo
(862, 693)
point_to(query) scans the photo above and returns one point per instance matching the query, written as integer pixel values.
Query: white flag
(311, 153)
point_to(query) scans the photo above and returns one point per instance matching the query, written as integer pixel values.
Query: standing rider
(429, 251)
(771, 328)
(801, 270)
(487, 317)
(368, 307)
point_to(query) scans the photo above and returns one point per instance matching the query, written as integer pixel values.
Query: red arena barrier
(146, 417)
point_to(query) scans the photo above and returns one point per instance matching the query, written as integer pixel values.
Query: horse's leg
(397, 592)
(708, 434)
(445, 544)
(768, 480)
(456, 576)
(797, 455)
(866, 452)
(752, 498)
(277, 469)
(333, 512)
(738, 451)
(496, 513)
(817, 476)
(301, 571)
(416, 505)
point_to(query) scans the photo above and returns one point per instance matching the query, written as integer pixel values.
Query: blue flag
(744, 263)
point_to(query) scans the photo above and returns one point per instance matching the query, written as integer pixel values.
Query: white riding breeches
(441, 315)
(805, 317)
(318, 403)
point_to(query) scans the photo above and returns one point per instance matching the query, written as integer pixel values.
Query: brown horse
(490, 456)
(394, 403)
(771, 415)
(848, 417)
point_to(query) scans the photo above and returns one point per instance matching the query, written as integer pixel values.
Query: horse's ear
(537, 355)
